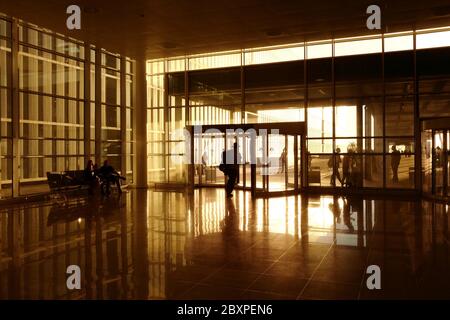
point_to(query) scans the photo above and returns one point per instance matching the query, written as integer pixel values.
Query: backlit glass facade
(73, 102)
(362, 96)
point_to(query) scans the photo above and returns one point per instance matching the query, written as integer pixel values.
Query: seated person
(110, 175)
(90, 176)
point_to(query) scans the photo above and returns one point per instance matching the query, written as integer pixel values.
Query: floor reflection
(168, 245)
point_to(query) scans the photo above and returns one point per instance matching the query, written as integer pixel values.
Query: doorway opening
(435, 157)
(270, 156)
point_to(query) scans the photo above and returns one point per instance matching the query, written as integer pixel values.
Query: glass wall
(54, 107)
(356, 95)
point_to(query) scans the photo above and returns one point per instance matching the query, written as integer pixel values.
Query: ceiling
(163, 28)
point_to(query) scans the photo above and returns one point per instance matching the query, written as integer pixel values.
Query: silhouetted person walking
(230, 167)
(283, 161)
(395, 162)
(335, 163)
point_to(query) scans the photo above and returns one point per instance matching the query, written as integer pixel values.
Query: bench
(67, 180)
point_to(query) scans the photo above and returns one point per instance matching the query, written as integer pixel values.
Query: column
(140, 92)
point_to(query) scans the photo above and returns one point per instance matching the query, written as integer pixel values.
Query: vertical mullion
(15, 107)
(333, 81)
(123, 116)
(87, 102)
(417, 138)
(304, 145)
(98, 105)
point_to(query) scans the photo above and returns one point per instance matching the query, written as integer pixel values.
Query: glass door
(278, 164)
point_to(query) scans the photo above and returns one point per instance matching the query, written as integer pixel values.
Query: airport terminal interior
(343, 135)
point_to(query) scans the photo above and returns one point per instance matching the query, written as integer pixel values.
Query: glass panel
(354, 47)
(320, 121)
(5, 28)
(372, 117)
(398, 43)
(176, 65)
(274, 82)
(319, 173)
(5, 177)
(110, 117)
(439, 164)
(346, 121)
(352, 167)
(319, 50)
(320, 145)
(215, 61)
(359, 76)
(5, 63)
(434, 105)
(214, 115)
(433, 40)
(400, 171)
(110, 61)
(110, 87)
(43, 72)
(426, 160)
(373, 171)
(155, 91)
(319, 79)
(274, 112)
(274, 55)
(399, 73)
(399, 116)
(155, 67)
(176, 90)
(156, 168)
(215, 87)
(433, 70)
(277, 162)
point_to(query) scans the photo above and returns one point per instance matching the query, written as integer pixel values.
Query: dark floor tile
(210, 292)
(292, 269)
(250, 265)
(192, 273)
(231, 278)
(289, 286)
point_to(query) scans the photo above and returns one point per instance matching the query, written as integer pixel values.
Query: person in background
(395, 162)
(230, 166)
(283, 158)
(335, 163)
(346, 165)
(90, 176)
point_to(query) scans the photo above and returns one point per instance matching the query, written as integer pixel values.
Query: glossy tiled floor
(167, 245)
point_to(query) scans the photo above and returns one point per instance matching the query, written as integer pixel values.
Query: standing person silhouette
(335, 163)
(230, 163)
(283, 158)
(395, 162)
